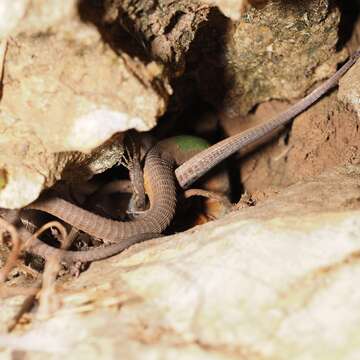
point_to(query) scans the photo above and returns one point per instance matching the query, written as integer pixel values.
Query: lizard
(161, 192)
(159, 184)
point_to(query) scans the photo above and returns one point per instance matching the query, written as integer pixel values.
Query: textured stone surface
(230, 8)
(11, 12)
(349, 88)
(274, 52)
(263, 283)
(65, 94)
(274, 281)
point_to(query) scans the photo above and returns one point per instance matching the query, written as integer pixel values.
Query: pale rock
(349, 88)
(275, 281)
(67, 99)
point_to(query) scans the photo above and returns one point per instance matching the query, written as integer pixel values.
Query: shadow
(205, 79)
(120, 35)
(204, 57)
(205, 60)
(350, 11)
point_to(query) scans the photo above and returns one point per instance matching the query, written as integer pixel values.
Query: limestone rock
(274, 52)
(266, 282)
(349, 88)
(66, 99)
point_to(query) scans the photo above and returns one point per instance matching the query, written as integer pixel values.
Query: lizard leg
(131, 160)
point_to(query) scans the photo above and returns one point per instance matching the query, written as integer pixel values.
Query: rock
(67, 97)
(266, 282)
(11, 12)
(349, 88)
(273, 52)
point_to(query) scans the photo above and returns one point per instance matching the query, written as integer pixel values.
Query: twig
(11, 260)
(3, 49)
(27, 303)
(46, 226)
(48, 301)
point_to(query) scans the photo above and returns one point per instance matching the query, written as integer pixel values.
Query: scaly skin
(159, 183)
(160, 187)
(159, 178)
(94, 254)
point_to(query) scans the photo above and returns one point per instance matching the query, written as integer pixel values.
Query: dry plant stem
(46, 226)
(3, 49)
(48, 301)
(11, 261)
(27, 303)
(5, 291)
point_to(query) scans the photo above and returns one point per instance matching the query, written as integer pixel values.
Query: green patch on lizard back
(191, 143)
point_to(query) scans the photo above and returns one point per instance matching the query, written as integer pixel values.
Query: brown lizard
(160, 181)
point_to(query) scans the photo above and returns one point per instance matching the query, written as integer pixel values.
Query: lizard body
(160, 181)
(159, 184)
(46, 251)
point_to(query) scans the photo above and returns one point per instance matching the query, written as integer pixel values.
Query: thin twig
(3, 50)
(46, 226)
(11, 260)
(48, 301)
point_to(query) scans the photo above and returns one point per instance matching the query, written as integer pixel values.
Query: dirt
(325, 136)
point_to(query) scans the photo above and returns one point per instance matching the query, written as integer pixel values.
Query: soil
(325, 136)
